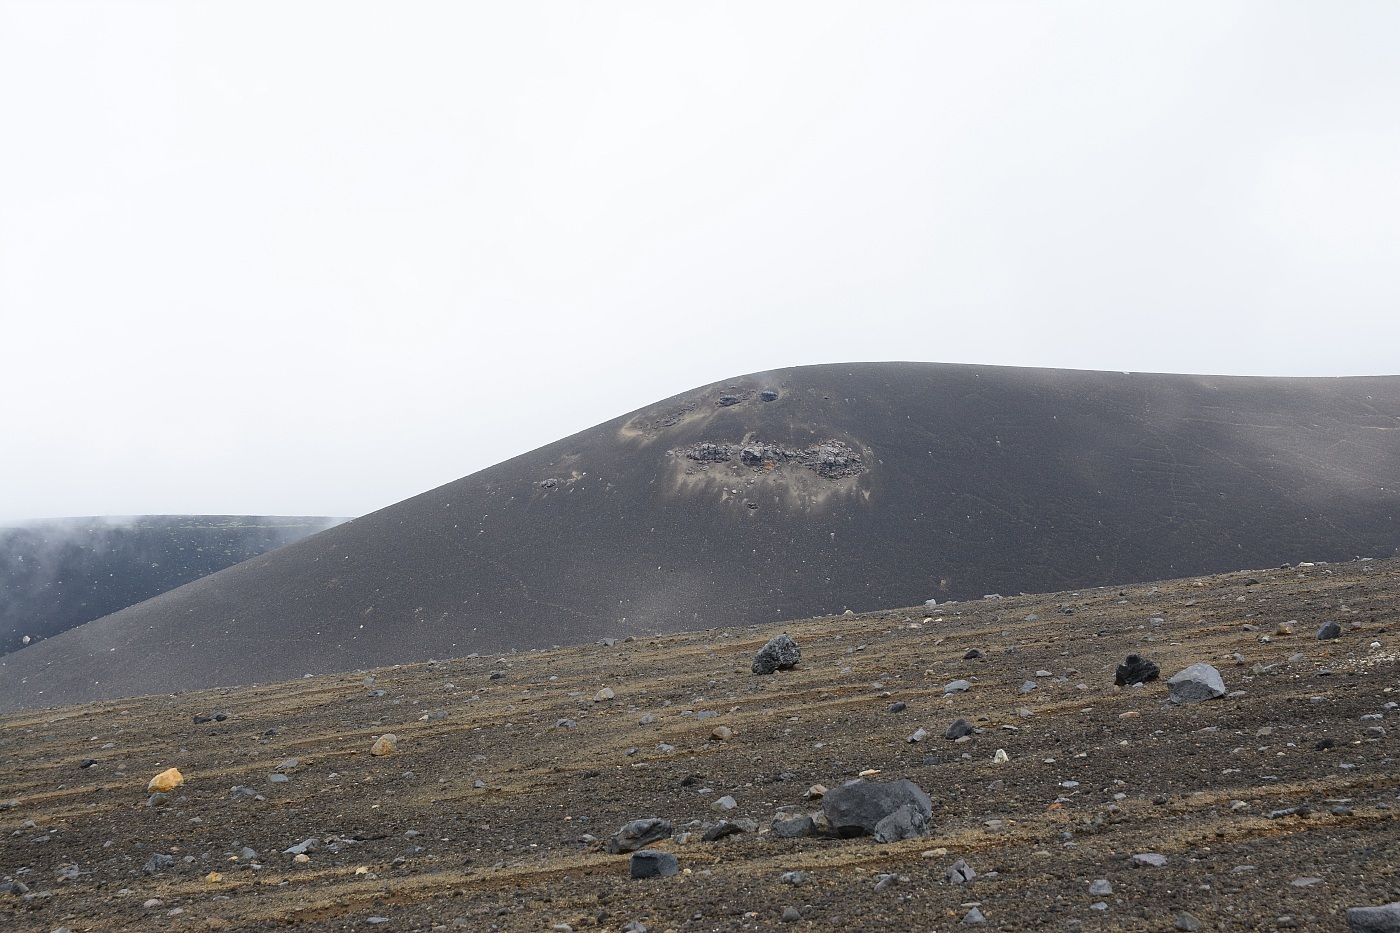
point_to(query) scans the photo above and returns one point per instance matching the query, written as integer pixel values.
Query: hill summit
(784, 495)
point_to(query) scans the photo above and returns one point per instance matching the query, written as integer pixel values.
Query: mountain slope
(57, 574)
(852, 485)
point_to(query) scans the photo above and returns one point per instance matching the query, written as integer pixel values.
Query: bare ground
(412, 842)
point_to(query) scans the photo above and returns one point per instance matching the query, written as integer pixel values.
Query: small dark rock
(1187, 922)
(959, 872)
(972, 654)
(958, 729)
(87, 762)
(1136, 670)
(780, 654)
(158, 863)
(1328, 630)
(728, 828)
(768, 395)
(791, 915)
(898, 707)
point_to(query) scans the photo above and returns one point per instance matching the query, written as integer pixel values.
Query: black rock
(860, 807)
(1136, 670)
(898, 707)
(794, 827)
(972, 654)
(1328, 630)
(958, 729)
(768, 395)
(1383, 919)
(87, 762)
(726, 400)
(496, 675)
(158, 863)
(726, 828)
(639, 833)
(653, 863)
(780, 654)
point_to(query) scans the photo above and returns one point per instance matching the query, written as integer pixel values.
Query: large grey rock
(1383, 919)
(780, 654)
(894, 810)
(1196, 683)
(1329, 629)
(653, 863)
(639, 833)
(906, 822)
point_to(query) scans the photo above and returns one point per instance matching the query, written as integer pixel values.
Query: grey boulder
(1196, 683)
(639, 833)
(653, 863)
(780, 654)
(1383, 919)
(889, 811)
(1329, 629)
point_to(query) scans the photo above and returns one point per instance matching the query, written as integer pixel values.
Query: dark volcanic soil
(483, 817)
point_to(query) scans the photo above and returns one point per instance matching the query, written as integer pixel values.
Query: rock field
(498, 785)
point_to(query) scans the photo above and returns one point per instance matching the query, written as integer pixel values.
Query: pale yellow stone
(213, 877)
(167, 780)
(386, 744)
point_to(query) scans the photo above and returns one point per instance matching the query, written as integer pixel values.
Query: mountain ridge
(938, 481)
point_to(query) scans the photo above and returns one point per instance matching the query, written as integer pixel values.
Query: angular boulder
(1196, 683)
(1329, 629)
(639, 833)
(1136, 670)
(780, 654)
(888, 811)
(1383, 919)
(653, 863)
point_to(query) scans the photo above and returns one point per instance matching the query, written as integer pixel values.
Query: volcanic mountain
(784, 495)
(57, 574)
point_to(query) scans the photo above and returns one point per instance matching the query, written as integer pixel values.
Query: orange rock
(386, 744)
(167, 780)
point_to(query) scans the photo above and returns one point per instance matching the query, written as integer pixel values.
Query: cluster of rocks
(832, 459)
(888, 811)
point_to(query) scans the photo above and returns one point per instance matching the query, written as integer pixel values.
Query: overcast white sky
(316, 257)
